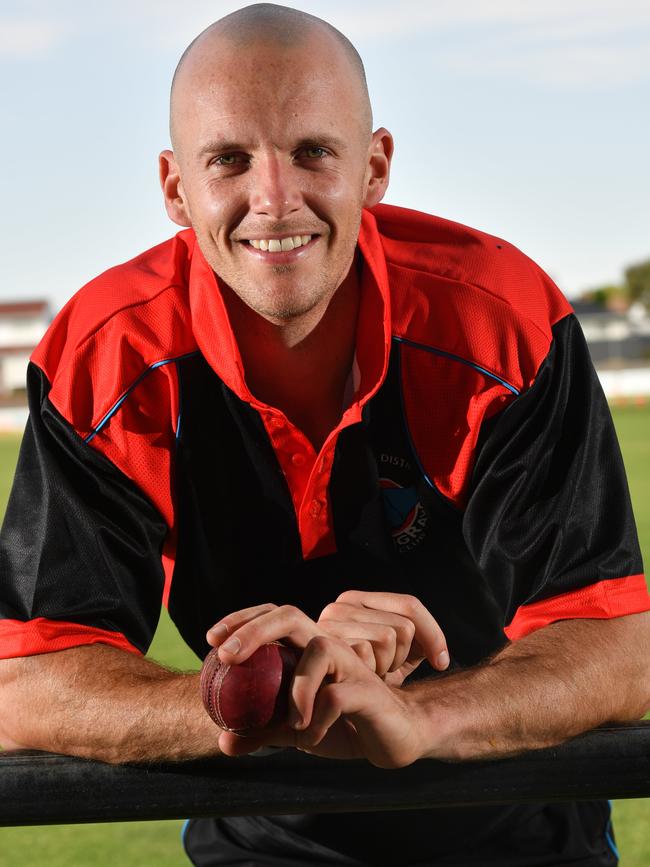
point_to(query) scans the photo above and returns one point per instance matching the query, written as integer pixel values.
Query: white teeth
(275, 245)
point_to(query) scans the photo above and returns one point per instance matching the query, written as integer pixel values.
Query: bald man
(311, 417)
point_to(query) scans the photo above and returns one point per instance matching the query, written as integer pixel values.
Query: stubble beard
(272, 305)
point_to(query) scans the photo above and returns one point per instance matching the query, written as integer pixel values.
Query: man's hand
(390, 632)
(343, 710)
(405, 632)
(553, 684)
(345, 699)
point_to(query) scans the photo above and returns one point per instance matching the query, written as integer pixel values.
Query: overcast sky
(525, 118)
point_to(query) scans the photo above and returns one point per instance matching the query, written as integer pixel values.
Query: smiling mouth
(279, 245)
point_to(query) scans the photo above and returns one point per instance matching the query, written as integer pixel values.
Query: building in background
(619, 343)
(616, 338)
(22, 325)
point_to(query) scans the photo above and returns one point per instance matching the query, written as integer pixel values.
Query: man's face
(275, 165)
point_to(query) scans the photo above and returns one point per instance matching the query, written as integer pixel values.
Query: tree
(637, 279)
(607, 296)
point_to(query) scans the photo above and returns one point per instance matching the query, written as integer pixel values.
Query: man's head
(272, 135)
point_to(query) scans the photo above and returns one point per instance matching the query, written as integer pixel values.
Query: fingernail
(216, 633)
(295, 719)
(232, 645)
(443, 659)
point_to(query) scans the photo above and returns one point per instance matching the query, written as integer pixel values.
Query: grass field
(143, 844)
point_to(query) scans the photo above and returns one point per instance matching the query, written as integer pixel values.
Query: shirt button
(315, 508)
(298, 460)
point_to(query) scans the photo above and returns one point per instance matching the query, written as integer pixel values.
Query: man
(372, 433)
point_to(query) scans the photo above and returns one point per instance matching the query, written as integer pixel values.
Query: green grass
(633, 427)
(632, 817)
(142, 844)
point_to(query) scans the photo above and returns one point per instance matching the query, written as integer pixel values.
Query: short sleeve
(549, 518)
(80, 547)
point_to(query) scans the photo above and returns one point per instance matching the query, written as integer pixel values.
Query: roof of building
(23, 308)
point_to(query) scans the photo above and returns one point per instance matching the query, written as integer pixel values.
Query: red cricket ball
(252, 694)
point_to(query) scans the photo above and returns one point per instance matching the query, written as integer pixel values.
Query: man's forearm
(550, 686)
(103, 703)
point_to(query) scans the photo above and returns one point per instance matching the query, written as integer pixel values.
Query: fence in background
(627, 383)
(13, 419)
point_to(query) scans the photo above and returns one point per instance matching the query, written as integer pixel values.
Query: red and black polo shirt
(476, 467)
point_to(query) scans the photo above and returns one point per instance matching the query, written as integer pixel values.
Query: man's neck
(301, 366)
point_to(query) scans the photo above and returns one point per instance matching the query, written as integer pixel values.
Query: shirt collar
(215, 338)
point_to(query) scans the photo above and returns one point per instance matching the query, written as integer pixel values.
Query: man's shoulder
(449, 251)
(467, 292)
(128, 322)
(141, 303)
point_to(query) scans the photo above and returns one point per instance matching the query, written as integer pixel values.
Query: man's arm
(562, 680)
(551, 685)
(80, 559)
(103, 703)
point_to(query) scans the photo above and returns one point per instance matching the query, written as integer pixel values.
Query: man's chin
(285, 299)
(283, 314)
(280, 301)
(283, 269)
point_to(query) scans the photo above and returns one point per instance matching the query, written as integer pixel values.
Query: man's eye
(314, 153)
(227, 160)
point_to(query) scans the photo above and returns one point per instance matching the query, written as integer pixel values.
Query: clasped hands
(346, 699)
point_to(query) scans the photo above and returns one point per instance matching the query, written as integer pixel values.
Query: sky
(527, 119)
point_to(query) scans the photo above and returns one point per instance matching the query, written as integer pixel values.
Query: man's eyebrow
(322, 139)
(219, 146)
(316, 140)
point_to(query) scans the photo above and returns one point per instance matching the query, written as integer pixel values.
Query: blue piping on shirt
(427, 479)
(608, 833)
(180, 403)
(184, 836)
(118, 403)
(449, 355)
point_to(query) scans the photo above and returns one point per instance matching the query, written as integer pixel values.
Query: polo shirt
(476, 466)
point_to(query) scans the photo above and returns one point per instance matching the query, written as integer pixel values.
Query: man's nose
(276, 189)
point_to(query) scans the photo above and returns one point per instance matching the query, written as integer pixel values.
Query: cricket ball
(249, 695)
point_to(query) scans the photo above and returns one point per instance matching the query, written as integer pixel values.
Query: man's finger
(233, 744)
(324, 660)
(375, 643)
(218, 633)
(391, 634)
(275, 624)
(428, 634)
(366, 652)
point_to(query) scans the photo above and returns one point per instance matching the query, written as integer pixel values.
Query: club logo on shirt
(405, 514)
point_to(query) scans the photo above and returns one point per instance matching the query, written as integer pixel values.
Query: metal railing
(43, 788)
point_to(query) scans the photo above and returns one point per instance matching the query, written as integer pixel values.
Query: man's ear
(170, 181)
(380, 154)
